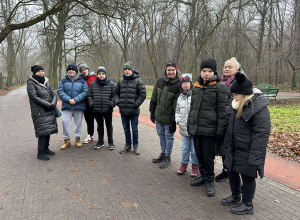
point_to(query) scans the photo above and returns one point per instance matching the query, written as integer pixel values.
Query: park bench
(267, 90)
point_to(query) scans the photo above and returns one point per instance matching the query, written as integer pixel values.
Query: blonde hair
(243, 100)
(234, 61)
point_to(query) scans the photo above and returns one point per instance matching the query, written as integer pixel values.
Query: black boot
(231, 200)
(49, 152)
(127, 148)
(222, 176)
(210, 189)
(165, 162)
(136, 150)
(198, 181)
(242, 209)
(42, 156)
(159, 158)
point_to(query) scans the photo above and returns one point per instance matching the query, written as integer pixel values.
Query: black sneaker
(43, 157)
(99, 145)
(222, 176)
(49, 152)
(242, 209)
(111, 147)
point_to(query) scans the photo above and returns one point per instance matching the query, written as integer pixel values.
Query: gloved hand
(52, 106)
(152, 118)
(172, 127)
(220, 140)
(260, 170)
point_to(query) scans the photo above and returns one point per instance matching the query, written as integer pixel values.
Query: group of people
(217, 115)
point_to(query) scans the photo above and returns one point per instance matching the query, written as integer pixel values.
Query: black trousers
(205, 148)
(43, 143)
(248, 187)
(89, 117)
(107, 116)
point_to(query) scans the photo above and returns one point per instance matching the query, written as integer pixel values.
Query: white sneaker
(88, 139)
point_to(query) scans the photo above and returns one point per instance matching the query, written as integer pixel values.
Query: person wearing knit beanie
(101, 69)
(241, 85)
(209, 63)
(128, 65)
(172, 63)
(82, 66)
(72, 66)
(36, 68)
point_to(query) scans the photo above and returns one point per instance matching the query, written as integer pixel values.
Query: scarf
(40, 79)
(101, 82)
(73, 78)
(226, 80)
(84, 77)
(128, 77)
(235, 104)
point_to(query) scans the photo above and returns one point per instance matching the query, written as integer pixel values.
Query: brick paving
(83, 183)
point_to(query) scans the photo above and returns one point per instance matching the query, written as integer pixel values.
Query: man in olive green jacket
(162, 108)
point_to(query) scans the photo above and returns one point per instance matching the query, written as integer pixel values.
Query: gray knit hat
(101, 69)
(128, 65)
(82, 66)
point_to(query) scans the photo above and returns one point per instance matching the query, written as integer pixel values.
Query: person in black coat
(101, 100)
(42, 103)
(246, 141)
(130, 93)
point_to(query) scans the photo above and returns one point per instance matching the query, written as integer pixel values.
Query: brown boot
(67, 143)
(77, 142)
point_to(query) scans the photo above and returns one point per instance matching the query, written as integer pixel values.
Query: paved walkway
(83, 183)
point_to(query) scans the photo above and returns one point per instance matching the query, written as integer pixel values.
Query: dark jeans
(205, 151)
(107, 116)
(126, 120)
(248, 187)
(43, 143)
(89, 117)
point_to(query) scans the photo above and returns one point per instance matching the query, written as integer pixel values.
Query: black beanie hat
(241, 85)
(36, 68)
(185, 79)
(72, 66)
(172, 63)
(209, 63)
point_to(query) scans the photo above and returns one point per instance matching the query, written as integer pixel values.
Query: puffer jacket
(43, 119)
(182, 111)
(77, 90)
(101, 97)
(164, 98)
(130, 94)
(209, 102)
(247, 137)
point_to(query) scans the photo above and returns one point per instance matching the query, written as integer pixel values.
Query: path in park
(83, 183)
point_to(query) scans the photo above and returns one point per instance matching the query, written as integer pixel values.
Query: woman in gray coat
(245, 141)
(42, 103)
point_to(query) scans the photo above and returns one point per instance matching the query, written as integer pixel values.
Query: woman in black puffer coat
(42, 103)
(246, 141)
(101, 100)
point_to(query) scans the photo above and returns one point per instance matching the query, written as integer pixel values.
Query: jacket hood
(254, 105)
(46, 80)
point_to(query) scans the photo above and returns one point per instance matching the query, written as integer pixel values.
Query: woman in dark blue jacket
(245, 141)
(72, 90)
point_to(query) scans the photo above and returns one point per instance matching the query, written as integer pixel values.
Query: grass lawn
(149, 90)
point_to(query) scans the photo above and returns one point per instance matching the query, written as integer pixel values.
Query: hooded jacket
(43, 119)
(164, 98)
(182, 112)
(208, 105)
(247, 137)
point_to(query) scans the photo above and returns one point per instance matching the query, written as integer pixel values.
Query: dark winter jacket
(164, 98)
(77, 90)
(247, 137)
(130, 94)
(43, 119)
(101, 97)
(209, 102)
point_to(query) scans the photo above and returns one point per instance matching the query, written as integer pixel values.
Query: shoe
(49, 152)
(242, 209)
(67, 143)
(165, 162)
(195, 170)
(111, 147)
(198, 181)
(182, 169)
(43, 156)
(159, 158)
(99, 145)
(77, 142)
(88, 139)
(222, 176)
(136, 150)
(231, 200)
(126, 149)
(210, 189)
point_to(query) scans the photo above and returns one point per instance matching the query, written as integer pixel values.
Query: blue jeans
(134, 119)
(187, 146)
(166, 138)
